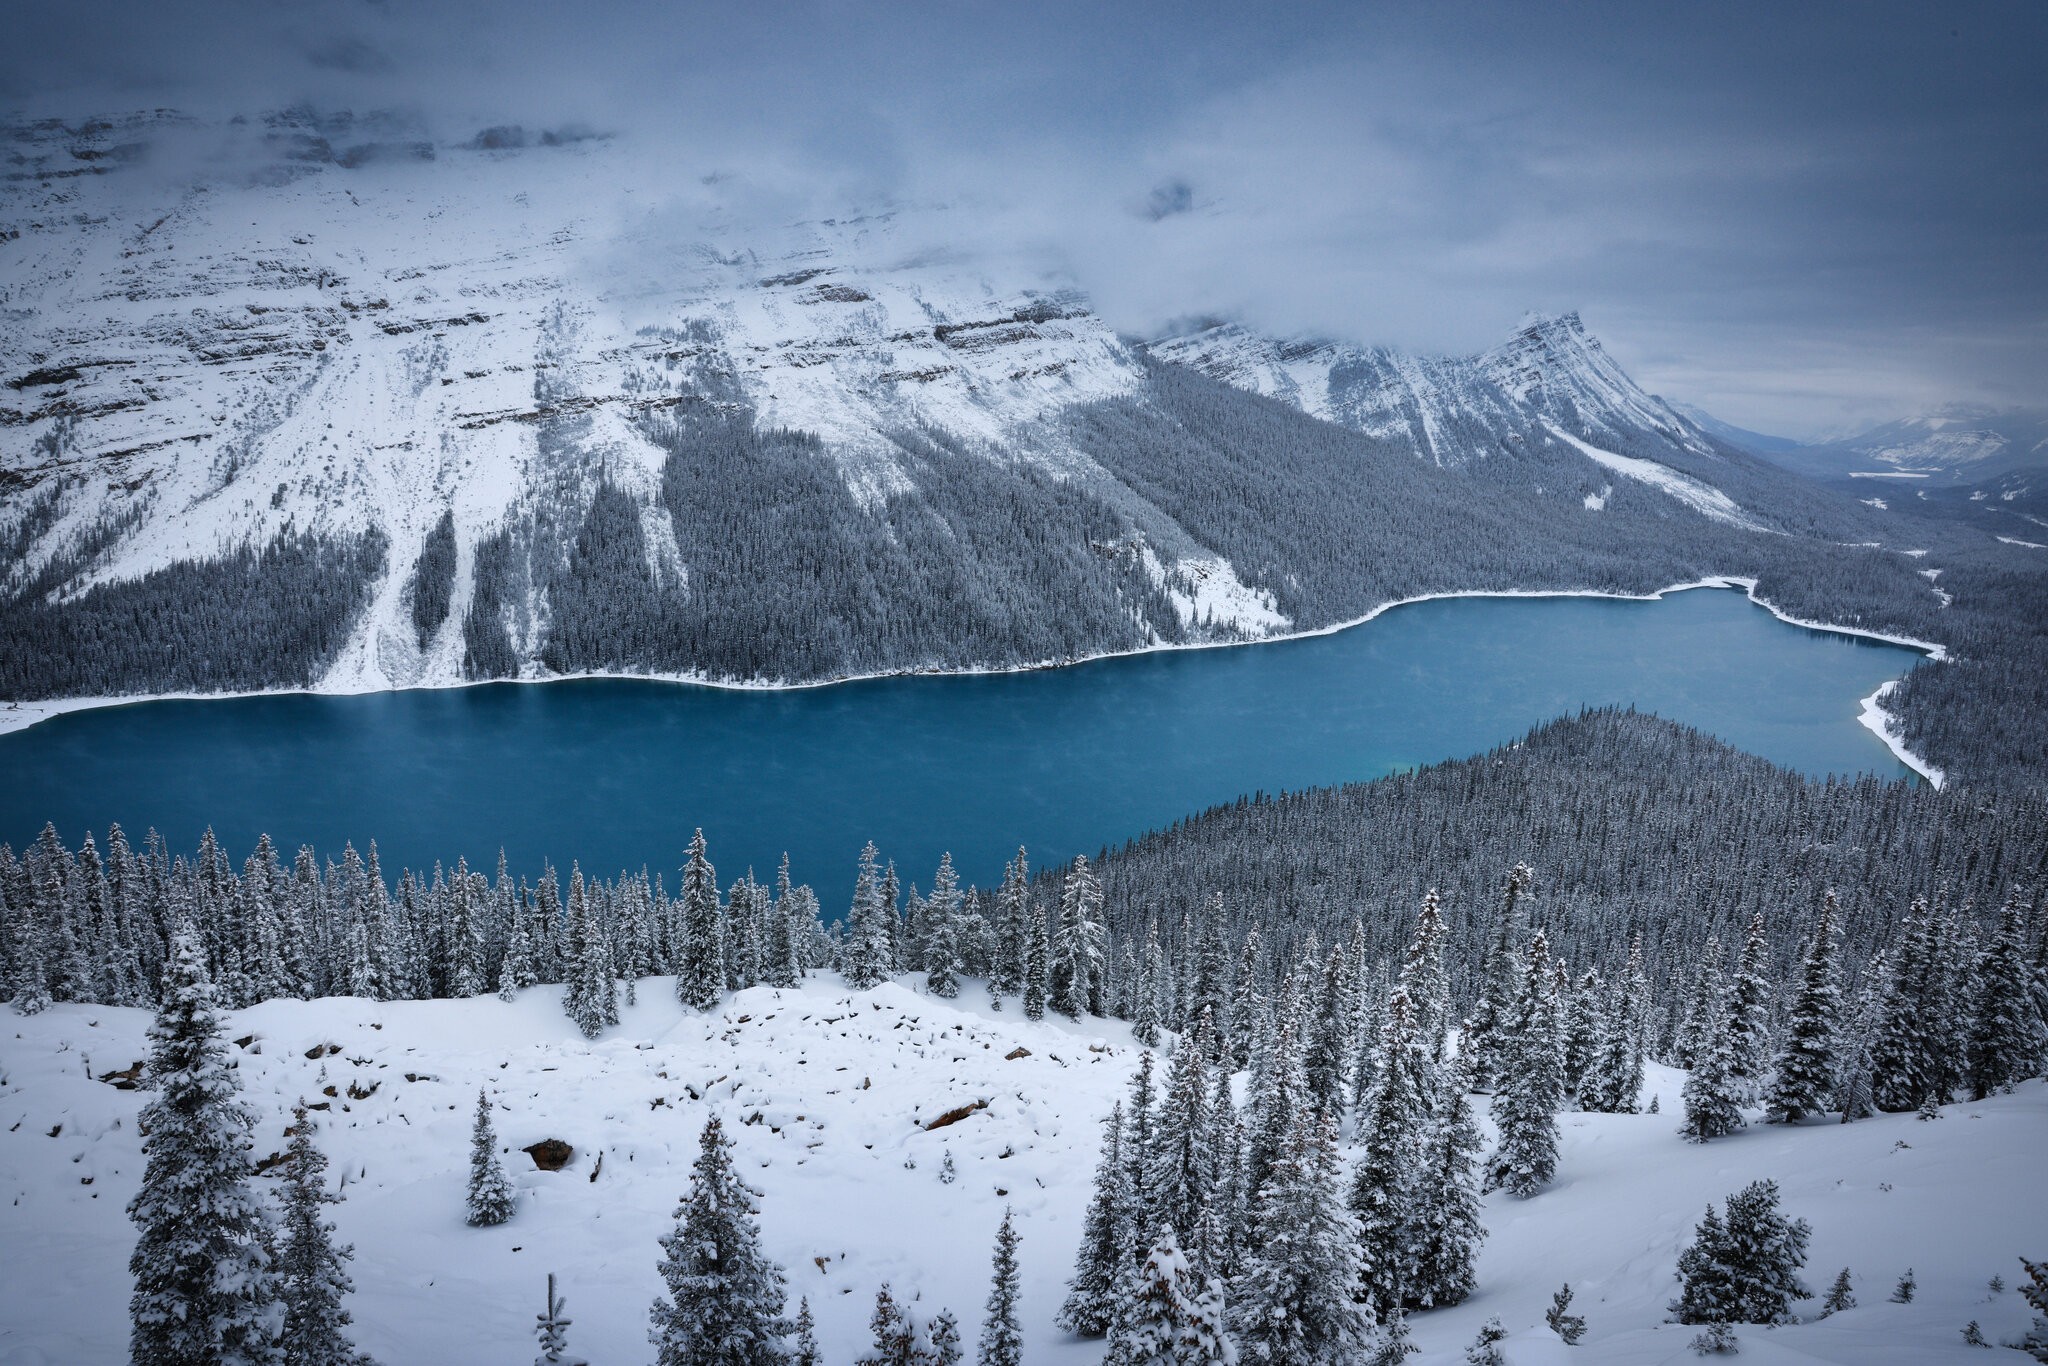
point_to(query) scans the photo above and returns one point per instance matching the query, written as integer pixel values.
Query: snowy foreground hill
(828, 1092)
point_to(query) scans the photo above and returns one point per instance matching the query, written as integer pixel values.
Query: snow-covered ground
(842, 1083)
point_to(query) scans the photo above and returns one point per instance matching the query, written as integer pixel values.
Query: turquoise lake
(617, 773)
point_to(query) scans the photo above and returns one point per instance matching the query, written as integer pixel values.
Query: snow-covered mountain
(297, 329)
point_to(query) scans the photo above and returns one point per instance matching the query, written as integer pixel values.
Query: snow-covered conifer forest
(1721, 1057)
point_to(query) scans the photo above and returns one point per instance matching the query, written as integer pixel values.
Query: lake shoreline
(16, 717)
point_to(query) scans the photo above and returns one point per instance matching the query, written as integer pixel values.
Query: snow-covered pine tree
(1209, 983)
(1247, 1004)
(941, 932)
(1147, 1022)
(1567, 1325)
(551, 1326)
(1326, 1065)
(1856, 1044)
(1499, 984)
(1529, 1082)
(1706, 1007)
(1749, 1015)
(1424, 978)
(1485, 1348)
(724, 1305)
(1743, 1268)
(1446, 1211)
(1292, 1300)
(491, 1197)
(1078, 943)
(206, 1289)
(1711, 1109)
(1170, 1314)
(1105, 1241)
(1002, 1336)
(590, 994)
(2006, 1035)
(1383, 1193)
(868, 959)
(897, 1341)
(1806, 1065)
(1841, 1295)
(2035, 1291)
(1391, 1345)
(943, 1337)
(312, 1270)
(700, 947)
(804, 1350)
(1586, 1029)
(1181, 1171)
(1038, 965)
(1617, 1073)
(1011, 950)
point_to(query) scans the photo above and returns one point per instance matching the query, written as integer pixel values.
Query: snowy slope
(842, 1083)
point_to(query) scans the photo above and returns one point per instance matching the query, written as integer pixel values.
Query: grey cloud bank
(1797, 217)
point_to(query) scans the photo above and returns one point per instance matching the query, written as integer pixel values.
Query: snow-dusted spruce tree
(491, 1197)
(1530, 1083)
(590, 995)
(1485, 1348)
(1585, 1031)
(1105, 1241)
(2035, 1292)
(1038, 965)
(1169, 1313)
(1711, 1110)
(1841, 1295)
(1563, 1322)
(1391, 1345)
(942, 929)
(868, 960)
(1446, 1213)
(1706, 1008)
(1078, 959)
(700, 939)
(1383, 1185)
(804, 1350)
(1499, 983)
(2007, 1036)
(552, 1328)
(1002, 1337)
(1424, 979)
(1749, 1016)
(1326, 1064)
(725, 1298)
(206, 1290)
(1147, 1022)
(1744, 1267)
(1181, 1175)
(942, 1337)
(1806, 1065)
(1292, 1302)
(312, 1270)
(1617, 1072)
(897, 1341)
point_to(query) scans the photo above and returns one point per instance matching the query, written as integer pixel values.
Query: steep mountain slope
(314, 401)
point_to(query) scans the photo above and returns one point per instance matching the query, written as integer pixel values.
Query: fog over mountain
(1814, 222)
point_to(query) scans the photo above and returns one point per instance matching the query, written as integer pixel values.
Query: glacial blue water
(617, 773)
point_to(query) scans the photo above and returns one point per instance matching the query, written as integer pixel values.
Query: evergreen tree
(1383, 1188)
(725, 1298)
(552, 1328)
(1500, 984)
(206, 1291)
(1002, 1339)
(869, 959)
(1326, 1064)
(1806, 1063)
(1170, 1314)
(2035, 1292)
(941, 943)
(1038, 966)
(1749, 1016)
(1485, 1348)
(1077, 947)
(1012, 928)
(944, 1338)
(1841, 1295)
(788, 925)
(1743, 1268)
(1586, 1031)
(700, 950)
(1617, 1074)
(491, 1197)
(2006, 1037)
(896, 1338)
(1181, 1170)
(1567, 1325)
(1530, 1083)
(312, 1271)
(1711, 1110)
(804, 1352)
(1424, 979)
(1292, 1300)
(1446, 1211)
(591, 995)
(1105, 1241)
(1147, 1024)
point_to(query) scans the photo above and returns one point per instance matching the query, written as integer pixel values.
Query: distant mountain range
(408, 412)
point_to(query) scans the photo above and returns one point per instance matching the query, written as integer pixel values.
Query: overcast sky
(1799, 217)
